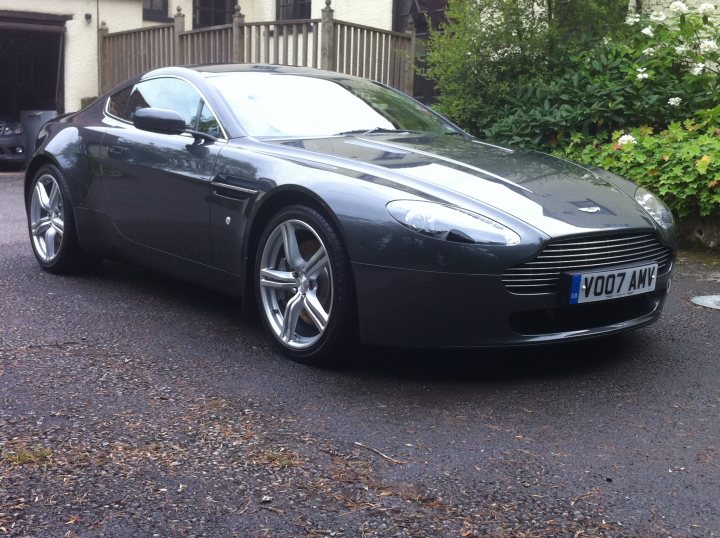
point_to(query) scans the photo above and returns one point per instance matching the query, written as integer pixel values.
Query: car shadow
(162, 287)
(457, 366)
(556, 361)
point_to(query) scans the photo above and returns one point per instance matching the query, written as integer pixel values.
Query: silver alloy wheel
(47, 218)
(296, 284)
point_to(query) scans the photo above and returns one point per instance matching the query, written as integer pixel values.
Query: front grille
(585, 316)
(590, 253)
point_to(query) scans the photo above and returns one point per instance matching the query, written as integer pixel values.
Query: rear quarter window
(117, 105)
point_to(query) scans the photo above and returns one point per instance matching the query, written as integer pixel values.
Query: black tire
(307, 308)
(57, 250)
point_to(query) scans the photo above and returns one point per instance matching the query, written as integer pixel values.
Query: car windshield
(285, 105)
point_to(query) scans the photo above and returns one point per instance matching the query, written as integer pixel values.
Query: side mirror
(159, 120)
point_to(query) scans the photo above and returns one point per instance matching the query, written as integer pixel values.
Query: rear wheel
(52, 225)
(304, 286)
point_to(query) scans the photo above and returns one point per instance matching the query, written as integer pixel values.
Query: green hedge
(681, 163)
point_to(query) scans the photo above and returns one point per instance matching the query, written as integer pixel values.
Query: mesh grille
(595, 253)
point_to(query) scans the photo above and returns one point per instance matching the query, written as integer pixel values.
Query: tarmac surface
(135, 404)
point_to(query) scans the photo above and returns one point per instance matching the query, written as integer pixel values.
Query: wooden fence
(327, 43)
(124, 54)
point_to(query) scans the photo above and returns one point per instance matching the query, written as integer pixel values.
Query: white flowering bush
(664, 67)
(685, 40)
(486, 49)
(489, 49)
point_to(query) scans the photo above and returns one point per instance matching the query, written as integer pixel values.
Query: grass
(26, 456)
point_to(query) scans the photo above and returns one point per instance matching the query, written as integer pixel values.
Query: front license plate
(603, 285)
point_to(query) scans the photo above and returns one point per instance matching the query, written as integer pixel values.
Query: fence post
(102, 57)
(327, 46)
(179, 57)
(410, 64)
(238, 36)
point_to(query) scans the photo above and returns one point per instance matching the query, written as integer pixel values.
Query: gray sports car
(341, 208)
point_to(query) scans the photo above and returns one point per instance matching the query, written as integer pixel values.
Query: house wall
(81, 66)
(375, 13)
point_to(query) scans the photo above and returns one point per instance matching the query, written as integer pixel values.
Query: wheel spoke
(41, 226)
(316, 311)
(42, 196)
(59, 224)
(317, 262)
(50, 242)
(54, 197)
(292, 249)
(290, 317)
(280, 280)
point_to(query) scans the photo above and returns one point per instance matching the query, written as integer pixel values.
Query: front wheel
(51, 224)
(304, 286)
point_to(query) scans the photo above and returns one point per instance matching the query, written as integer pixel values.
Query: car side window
(168, 93)
(208, 124)
(117, 105)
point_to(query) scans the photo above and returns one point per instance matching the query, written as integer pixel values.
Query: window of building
(155, 10)
(289, 10)
(212, 12)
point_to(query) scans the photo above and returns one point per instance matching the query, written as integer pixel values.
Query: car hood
(554, 196)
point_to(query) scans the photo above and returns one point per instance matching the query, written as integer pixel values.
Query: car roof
(211, 70)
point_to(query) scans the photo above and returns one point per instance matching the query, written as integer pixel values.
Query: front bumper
(424, 309)
(12, 149)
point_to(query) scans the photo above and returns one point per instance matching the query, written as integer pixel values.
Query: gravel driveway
(131, 404)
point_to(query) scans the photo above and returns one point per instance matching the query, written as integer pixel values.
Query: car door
(156, 185)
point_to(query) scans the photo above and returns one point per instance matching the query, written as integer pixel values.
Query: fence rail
(206, 46)
(371, 53)
(327, 43)
(124, 54)
(283, 43)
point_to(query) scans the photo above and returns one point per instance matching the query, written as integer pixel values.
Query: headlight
(655, 207)
(451, 223)
(9, 129)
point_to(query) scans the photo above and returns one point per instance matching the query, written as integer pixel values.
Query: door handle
(117, 152)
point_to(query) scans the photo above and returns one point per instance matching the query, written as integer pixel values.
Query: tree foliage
(482, 54)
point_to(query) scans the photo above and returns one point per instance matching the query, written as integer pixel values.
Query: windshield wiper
(363, 132)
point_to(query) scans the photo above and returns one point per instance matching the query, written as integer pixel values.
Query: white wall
(254, 10)
(375, 13)
(81, 65)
